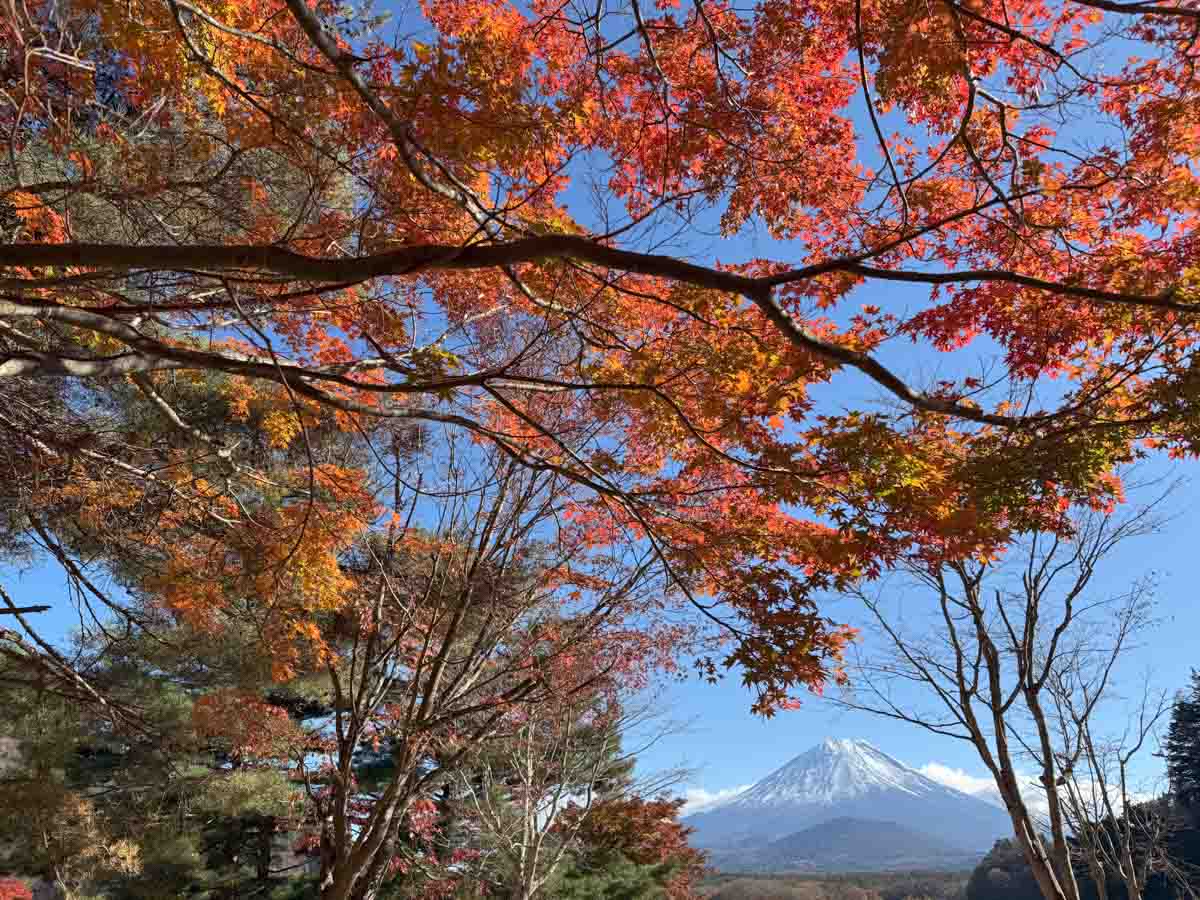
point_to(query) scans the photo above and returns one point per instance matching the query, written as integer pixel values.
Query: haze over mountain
(891, 805)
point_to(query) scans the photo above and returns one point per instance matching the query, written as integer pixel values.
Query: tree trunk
(1029, 840)
(1040, 863)
(353, 870)
(262, 860)
(342, 889)
(1100, 876)
(329, 859)
(1134, 883)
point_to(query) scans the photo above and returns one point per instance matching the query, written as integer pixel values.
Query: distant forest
(873, 886)
(1001, 875)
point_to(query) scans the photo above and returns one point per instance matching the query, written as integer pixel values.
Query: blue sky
(728, 747)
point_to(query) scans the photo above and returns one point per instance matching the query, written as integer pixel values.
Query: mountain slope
(846, 779)
(844, 844)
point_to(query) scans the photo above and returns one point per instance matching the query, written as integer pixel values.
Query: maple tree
(255, 254)
(648, 834)
(279, 205)
(455, 638)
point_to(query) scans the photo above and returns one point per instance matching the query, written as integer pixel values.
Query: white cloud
(983, 787)
(698, 799)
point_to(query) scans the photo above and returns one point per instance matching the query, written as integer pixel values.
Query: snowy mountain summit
(834, 771)
(846, 779)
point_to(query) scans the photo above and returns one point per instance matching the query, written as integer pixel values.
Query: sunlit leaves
(869, 140)
(245, 727)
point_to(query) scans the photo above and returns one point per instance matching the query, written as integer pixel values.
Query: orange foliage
(368, 190)
(41, 222)
(246, 726)
(287, 559)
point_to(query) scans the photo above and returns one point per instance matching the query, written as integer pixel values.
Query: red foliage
(246, 726)
(686, 399)
(12, 889)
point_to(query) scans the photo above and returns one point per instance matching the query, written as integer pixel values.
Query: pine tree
(163, 810)
(1182, 747)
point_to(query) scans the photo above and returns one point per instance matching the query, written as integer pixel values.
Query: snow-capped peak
(845, 745)
(847, 779)
(837, 769)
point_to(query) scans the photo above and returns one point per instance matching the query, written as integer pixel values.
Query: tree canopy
(249, 248)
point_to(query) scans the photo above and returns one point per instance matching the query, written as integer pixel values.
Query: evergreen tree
(1182, 747)
(163, 810)
(1003, 874)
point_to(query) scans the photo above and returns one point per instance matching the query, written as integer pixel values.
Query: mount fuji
(881, 807)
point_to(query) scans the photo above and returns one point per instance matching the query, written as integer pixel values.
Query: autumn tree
(415, 641)
(453, 635)
(1015, 660)
(533, 793)
(335, 685)
(629, 844)
(320, 218)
